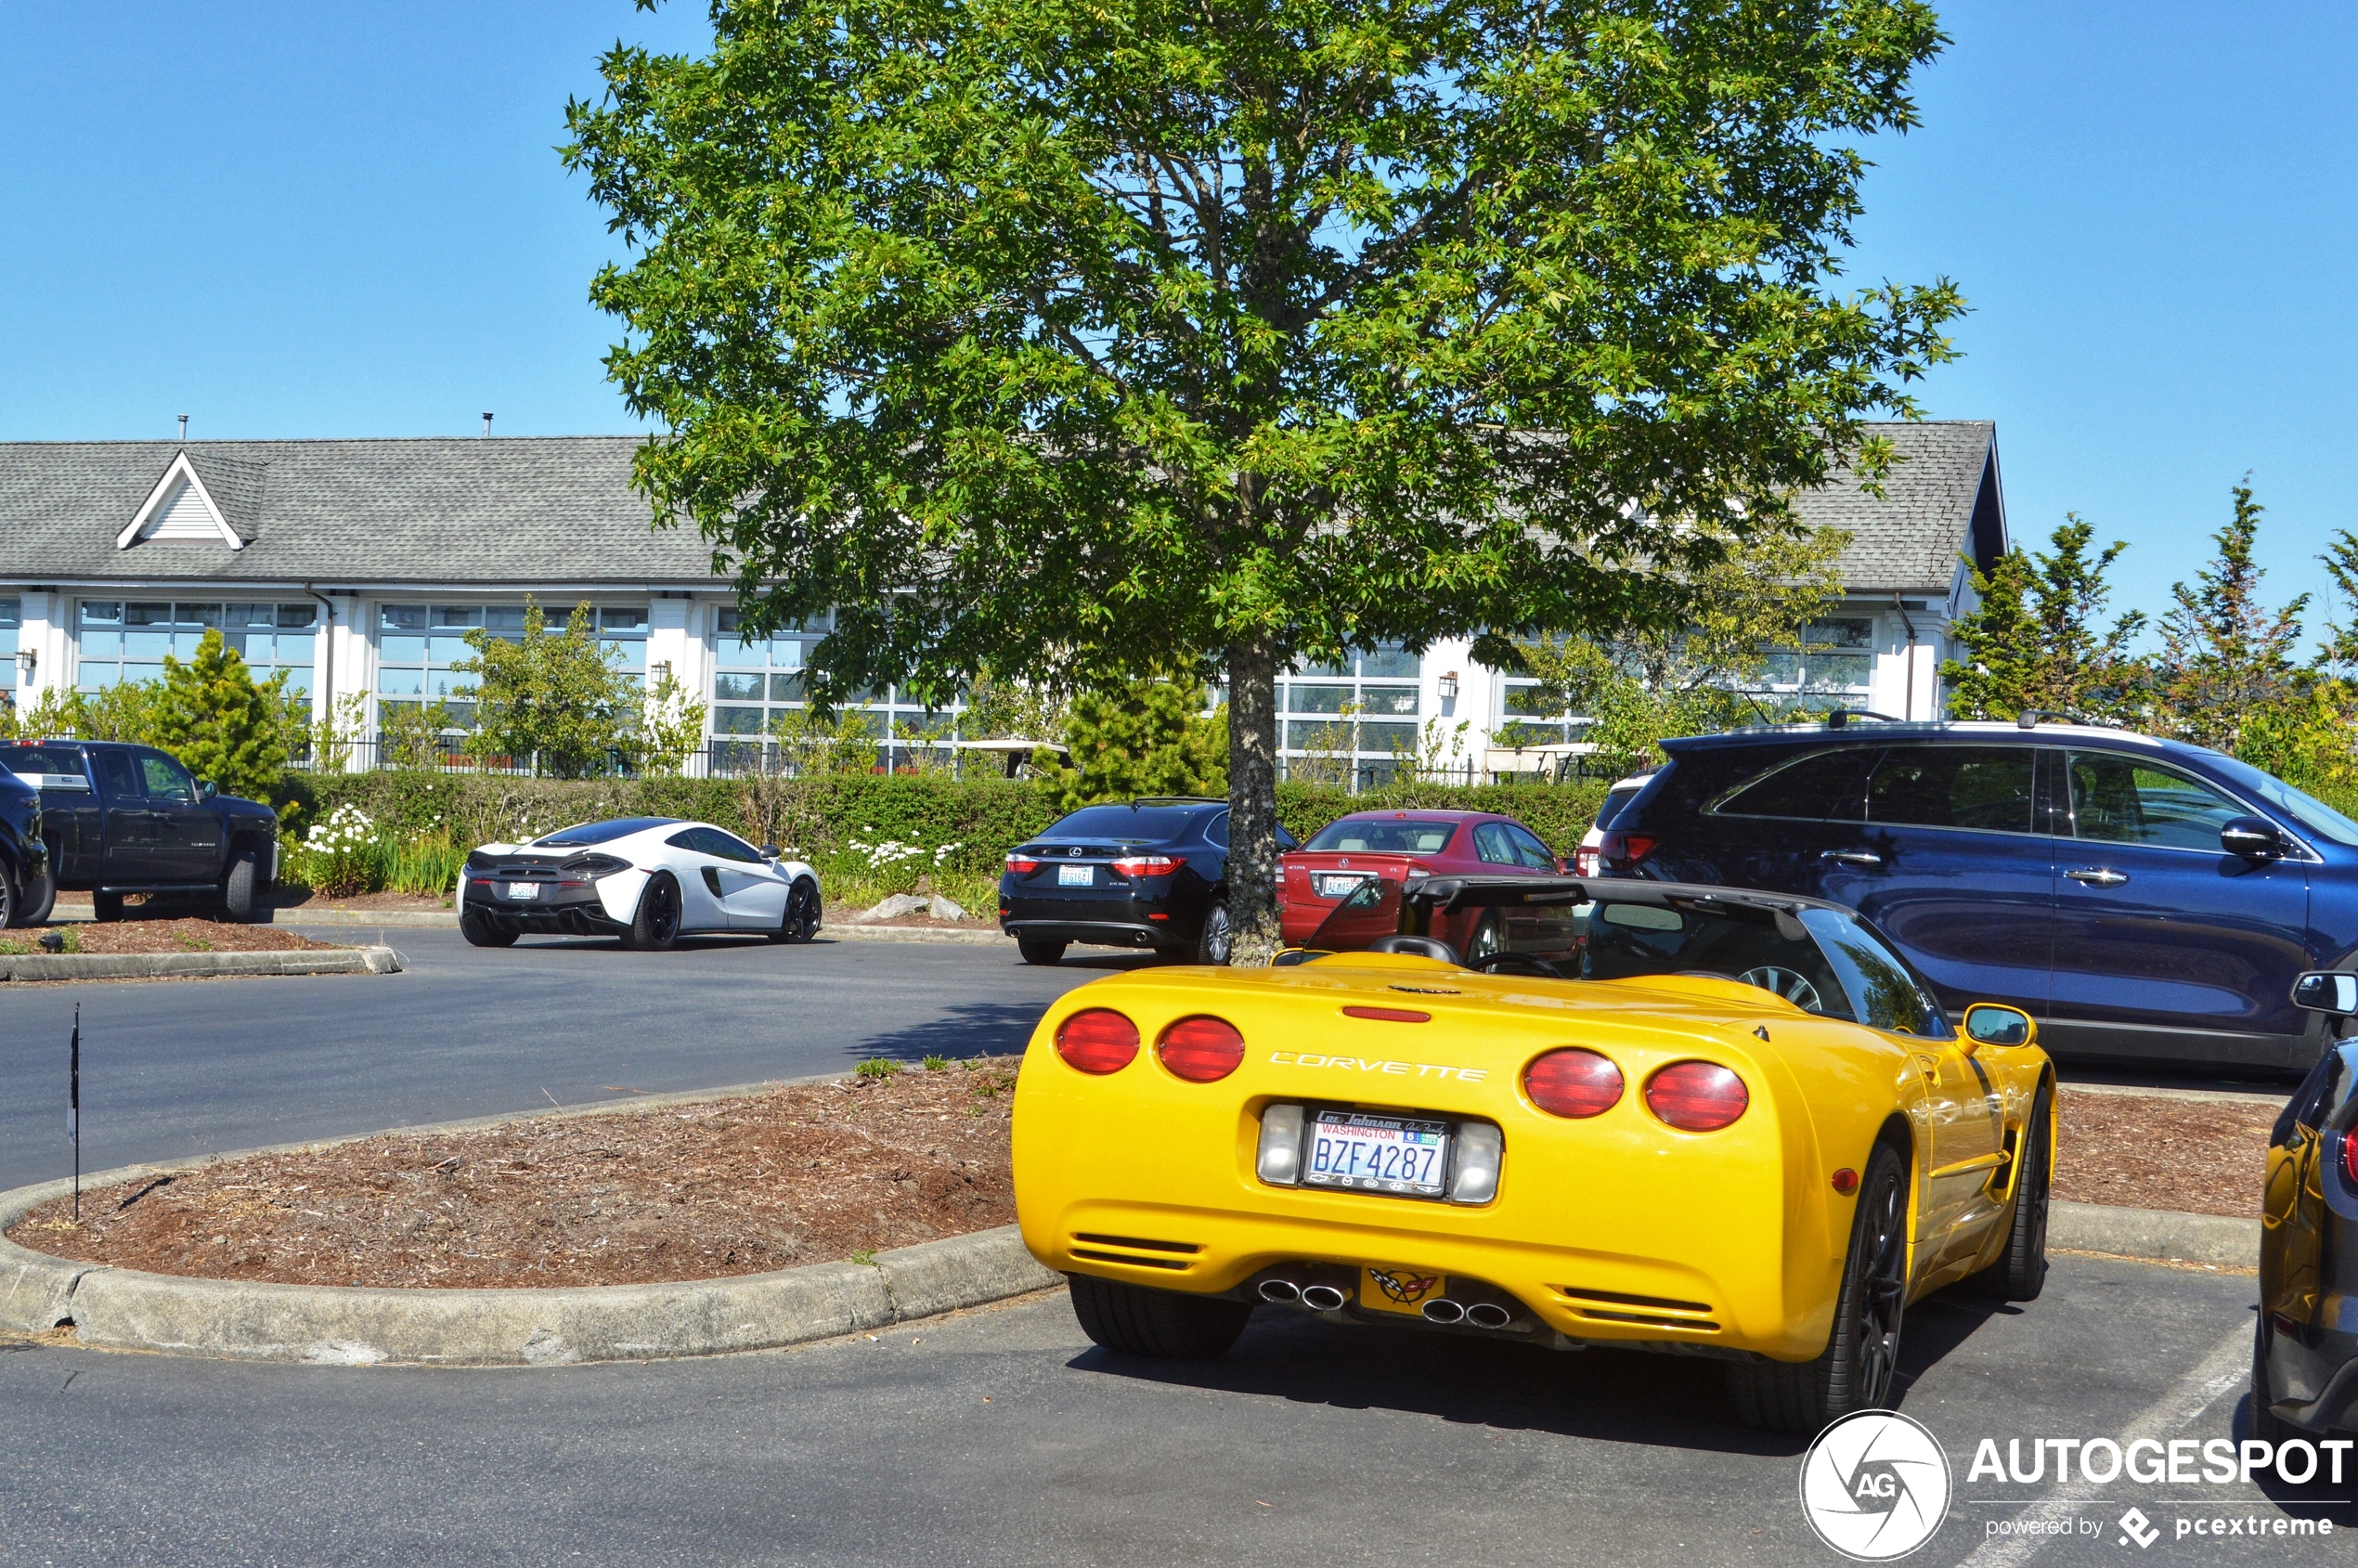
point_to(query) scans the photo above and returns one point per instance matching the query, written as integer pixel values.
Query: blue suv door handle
(1852, 857)
(2098, 876)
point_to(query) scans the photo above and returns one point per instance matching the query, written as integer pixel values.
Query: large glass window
(1348, 723)
(757, 691)
(119, 640)
(1835, 657)
(417, 645)
(1974, 786)
(2121, 800)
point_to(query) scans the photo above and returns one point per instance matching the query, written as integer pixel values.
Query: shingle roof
(462, 510)
(1912, 537)
(541, 508)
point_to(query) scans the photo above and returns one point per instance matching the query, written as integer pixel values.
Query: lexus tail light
(1201, 1049)
(1697, 1096)
(1573, 1082)
(1021, 863)
(1097, 1040)
(1145, 865)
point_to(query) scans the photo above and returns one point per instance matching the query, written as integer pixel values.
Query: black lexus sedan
(1148, 874)
(2304, 1375)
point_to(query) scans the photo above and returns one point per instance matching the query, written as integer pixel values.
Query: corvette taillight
(1697, 1096)
(2349, 1156)
(1201, 1049)
(1021, 863)
(1097, 1040)
(1145, 865)
(1573, 1082)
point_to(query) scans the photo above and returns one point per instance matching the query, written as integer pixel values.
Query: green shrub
(428, 864)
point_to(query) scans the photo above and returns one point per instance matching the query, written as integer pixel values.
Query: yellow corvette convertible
(1694, 1119)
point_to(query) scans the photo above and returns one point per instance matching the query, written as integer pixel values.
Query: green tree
(2034, 642)
(211, 715)
(1148, 736)
(2224, 655)
(1083, 338)
(670, 726)
(556, 697)
(1643, 682)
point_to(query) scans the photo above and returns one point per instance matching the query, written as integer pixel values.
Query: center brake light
(1097, 1040)
(1201, 1049)
(1145, 865)
(1697, 1096)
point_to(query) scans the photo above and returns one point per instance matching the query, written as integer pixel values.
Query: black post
(73, 1108)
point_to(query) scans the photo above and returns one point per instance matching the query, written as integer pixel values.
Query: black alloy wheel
(655, 926)
(800, 922)
(1219, 938)
(1861, 1359)
(481, 931)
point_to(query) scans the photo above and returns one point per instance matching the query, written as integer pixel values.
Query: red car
(1403, 846)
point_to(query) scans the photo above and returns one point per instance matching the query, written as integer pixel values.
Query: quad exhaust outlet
(1323, 1298)
(1481, 1314)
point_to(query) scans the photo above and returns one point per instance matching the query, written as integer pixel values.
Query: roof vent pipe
(487, 422)
(183, 427)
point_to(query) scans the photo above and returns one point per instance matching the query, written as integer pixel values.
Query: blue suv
(2144, 898)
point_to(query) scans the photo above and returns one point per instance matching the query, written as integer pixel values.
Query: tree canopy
(2034, 640)
(1073, 339)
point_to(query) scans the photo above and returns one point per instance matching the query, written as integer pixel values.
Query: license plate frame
(1076, 876)
(1338, 884)
(1421, 1142)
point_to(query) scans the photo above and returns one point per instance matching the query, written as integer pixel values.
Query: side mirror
(771, 851)
(2327, 991)
(2252, 838)
(1988, 1023)
(207, 789)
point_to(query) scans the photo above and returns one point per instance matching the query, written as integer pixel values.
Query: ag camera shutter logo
(1875, 1486)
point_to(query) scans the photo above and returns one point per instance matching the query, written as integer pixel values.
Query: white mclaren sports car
(648, 880)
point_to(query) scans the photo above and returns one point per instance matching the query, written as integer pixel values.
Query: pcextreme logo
(1875, 1486)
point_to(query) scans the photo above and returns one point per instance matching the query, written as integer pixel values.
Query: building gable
(180, 507)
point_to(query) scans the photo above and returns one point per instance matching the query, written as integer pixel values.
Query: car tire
(1488, 938)
(1162, 1324)
(1862, 1353)
(654, 925)
(480, 931)
(238, 889)
(36, 902)
(1219, 937)
(2266, 1425)
(1040, 949)
(106, 906)
(2021, 1270)
(800, 922)
(11, 900)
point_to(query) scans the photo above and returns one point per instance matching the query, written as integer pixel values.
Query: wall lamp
(1449, 687)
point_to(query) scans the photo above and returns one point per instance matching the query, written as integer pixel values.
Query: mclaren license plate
(524, 889)
(1388, 1154)
(1337, 886)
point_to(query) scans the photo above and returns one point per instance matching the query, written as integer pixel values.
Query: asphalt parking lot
(178, 1068)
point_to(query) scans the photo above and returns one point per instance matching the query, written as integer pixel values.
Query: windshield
(2307, 810)
(1727, 941)
(602, 833)
(1154, 825)
(1384, 837)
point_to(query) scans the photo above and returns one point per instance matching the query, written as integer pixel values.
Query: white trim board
(178, 508)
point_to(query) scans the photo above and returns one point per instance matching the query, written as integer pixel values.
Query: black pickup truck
(121, 818)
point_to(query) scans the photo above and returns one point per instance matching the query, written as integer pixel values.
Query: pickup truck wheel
(39, 896)
(106, 906)
(238, 900)
(11, 903)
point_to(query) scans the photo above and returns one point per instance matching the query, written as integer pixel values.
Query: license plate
(1337, 886)
(1391, 1154)
(524, 889)
(1075, 875)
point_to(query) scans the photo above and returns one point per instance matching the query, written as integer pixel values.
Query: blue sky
(304, 220)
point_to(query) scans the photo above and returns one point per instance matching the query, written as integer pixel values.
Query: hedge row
(840, 818)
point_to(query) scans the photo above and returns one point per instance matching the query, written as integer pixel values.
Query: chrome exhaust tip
(1323, 1298)
(1488, 1314)
(1443, 1310)
(1282, 1293)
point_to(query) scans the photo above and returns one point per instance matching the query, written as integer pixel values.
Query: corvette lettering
(1360, 1064)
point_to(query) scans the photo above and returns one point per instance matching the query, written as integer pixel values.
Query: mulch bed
(2145, 1152)
(772, 1181)
(180, 934)
(805, 1175)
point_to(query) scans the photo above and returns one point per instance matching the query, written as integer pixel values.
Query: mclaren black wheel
(1162, 1324)
(801, 921)
(656, 925)
(1863, 1353)
(480, 931)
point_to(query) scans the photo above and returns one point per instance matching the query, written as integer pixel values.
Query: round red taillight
(1697, 1096)
(1201, 1050)
(1097, 1040)
(1573, 1082)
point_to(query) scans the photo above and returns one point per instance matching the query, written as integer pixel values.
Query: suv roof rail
(2032, 717)
(1839, 717)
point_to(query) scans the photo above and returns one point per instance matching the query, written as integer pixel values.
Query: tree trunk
(1253, 803)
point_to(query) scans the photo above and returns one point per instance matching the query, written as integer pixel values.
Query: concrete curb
(130, 1310)
(196, 966)
(2154, 1235)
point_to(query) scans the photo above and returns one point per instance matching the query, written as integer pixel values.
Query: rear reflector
(1145, 865)
(1697, 1096)
(1388, 1014)
(1201, 1049)
(1097, 1040)
(1573, 1082)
